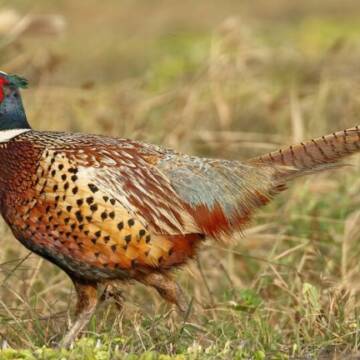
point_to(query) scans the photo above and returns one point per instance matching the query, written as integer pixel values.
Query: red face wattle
(3, 82)
(12, 113)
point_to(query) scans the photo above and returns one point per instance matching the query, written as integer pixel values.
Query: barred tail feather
(315, 155)
(222, 195)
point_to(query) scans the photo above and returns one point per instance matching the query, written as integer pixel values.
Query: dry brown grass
(205, 81)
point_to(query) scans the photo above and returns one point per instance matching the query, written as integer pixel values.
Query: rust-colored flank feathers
(105, 209)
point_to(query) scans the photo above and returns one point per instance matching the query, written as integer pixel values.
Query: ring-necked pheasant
(105, 209)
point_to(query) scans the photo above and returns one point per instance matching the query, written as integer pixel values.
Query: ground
(223, 79)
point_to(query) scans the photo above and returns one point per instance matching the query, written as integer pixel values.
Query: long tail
(311, 156)
(221, 195)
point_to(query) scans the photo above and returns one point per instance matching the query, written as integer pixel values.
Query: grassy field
(224, 79)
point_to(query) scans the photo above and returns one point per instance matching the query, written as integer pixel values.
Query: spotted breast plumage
(106, 209)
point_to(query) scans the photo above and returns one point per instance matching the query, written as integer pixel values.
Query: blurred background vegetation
(213, 78)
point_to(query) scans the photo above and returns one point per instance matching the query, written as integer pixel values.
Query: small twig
(12, 271)
(205, 282)
(10, 261)
(187, 314)
(257, 258)
(227, 275)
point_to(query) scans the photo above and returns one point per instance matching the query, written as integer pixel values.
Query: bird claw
(113, 293)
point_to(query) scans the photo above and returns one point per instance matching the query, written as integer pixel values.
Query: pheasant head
(12, 113)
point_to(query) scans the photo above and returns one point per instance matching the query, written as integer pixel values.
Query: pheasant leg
(86, 305)
(168, 288)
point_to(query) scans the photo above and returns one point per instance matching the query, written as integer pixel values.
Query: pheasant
(105, 209)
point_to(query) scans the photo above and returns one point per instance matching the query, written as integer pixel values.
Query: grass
(194, 78)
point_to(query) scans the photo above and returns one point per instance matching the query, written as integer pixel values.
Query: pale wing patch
(161, 213)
